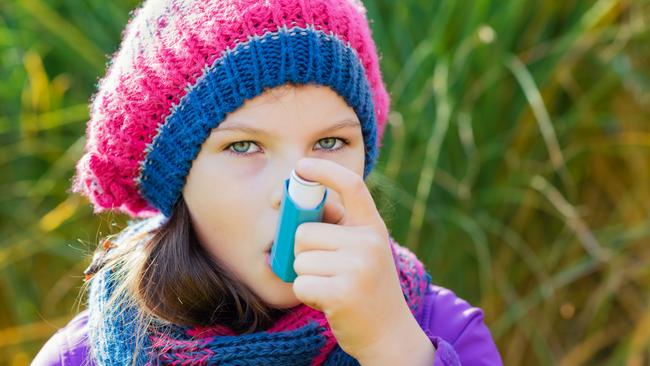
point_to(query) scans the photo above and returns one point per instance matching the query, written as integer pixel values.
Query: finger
(311, 290)
(319, 263)
(333, 211)
(322, 236)
(357, 201)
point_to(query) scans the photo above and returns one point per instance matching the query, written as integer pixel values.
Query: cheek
(353, 159)
(213, 175)
(222, 198)
(241, 169)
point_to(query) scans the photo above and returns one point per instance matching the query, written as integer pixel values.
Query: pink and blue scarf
(301, 336)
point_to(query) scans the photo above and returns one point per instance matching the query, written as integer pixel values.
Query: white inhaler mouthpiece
(302, 201)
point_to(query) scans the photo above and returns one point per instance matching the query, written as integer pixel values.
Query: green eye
(241, 146)
(329, 142)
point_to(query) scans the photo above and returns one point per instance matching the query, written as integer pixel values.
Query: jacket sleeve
(457, 330)
(68, 346)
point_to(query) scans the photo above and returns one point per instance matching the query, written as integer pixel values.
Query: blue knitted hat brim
(297, 56)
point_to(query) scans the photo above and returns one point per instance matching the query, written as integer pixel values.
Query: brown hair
(172, 278)
(182, 283)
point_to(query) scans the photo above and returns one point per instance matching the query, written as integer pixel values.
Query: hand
(345, 269)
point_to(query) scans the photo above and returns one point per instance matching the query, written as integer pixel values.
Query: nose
(276, 196)
(284, 171)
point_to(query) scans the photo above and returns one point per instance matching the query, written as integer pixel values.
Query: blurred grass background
(516, 164)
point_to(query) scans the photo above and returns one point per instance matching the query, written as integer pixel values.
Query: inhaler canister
(302, 201)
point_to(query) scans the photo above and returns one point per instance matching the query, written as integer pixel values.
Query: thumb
(333, 212)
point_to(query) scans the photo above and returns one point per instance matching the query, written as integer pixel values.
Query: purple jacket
(443, 314)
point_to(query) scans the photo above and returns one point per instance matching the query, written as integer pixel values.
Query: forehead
(309, 107)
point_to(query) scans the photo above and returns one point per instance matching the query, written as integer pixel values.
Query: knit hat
(183, 65)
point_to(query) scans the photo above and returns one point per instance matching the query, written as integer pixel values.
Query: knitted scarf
(301, 336)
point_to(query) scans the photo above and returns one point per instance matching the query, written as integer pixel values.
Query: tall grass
(516, 164)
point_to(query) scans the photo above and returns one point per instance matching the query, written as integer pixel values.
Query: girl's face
(235, 185)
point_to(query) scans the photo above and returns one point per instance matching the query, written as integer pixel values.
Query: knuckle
(359, 264)
(380, 248)
(299, 264)
(296, 264)
(304, 230)
(300, 232)
(299, 287)
(374, 242)
(374, 239)
(357, 186)
(300, 237)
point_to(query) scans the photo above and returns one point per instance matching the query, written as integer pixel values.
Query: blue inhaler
(302, 201)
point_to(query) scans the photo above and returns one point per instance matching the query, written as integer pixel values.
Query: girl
(205, 110)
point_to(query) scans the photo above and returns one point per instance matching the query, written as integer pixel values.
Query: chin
(279, 296)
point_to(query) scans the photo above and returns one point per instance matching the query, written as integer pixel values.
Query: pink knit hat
(183, 65)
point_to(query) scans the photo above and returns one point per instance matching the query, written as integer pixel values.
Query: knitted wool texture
(300, 337)
(183, 65)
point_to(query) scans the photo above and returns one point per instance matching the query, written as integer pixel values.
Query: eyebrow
(345, 123)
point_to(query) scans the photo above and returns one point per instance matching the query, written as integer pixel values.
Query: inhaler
(302, 201)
